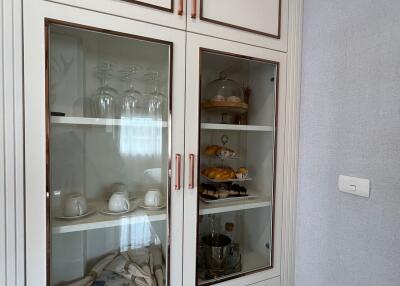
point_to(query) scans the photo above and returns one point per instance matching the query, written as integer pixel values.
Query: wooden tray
(226, 106)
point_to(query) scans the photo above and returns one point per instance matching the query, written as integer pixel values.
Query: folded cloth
(109, 278)
(96, 270)
(156, 255)
(131, 271)
(142, 257)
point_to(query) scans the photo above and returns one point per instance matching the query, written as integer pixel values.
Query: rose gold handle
(180, 8)
(194, 9)
(178, 171)
(191, 171)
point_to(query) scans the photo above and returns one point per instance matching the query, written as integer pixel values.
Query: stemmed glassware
(105, 98)
(155, 97)
(131, 100)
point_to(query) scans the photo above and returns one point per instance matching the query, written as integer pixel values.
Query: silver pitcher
(217, 248)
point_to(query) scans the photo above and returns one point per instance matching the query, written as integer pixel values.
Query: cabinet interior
(251, 137)
(89, 154)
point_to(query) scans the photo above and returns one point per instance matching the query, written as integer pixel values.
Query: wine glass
(131, 99)
(155, 97)
(105, 98)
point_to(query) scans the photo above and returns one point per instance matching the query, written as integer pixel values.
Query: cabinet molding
(277, 36)
(291, 143)
(12, 242)
(171, 10)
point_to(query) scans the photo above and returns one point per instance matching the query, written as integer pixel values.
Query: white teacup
(120, 188)
(75, 204)
(153, 198)
(118, 202)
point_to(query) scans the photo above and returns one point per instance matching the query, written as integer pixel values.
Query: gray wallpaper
(350, 124)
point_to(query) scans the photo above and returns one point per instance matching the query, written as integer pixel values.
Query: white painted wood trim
(291, 142)
(213, 126)
(12, 244)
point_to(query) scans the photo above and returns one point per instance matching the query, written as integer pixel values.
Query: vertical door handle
(191, 171)
(178, 171)
(194, 9)
(180, 7)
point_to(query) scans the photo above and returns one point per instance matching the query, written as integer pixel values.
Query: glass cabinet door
(236, 150)
(109, 148)
(236, 165)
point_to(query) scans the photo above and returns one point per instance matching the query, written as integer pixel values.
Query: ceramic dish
(91, 211)
(106, 211)
(149, 208)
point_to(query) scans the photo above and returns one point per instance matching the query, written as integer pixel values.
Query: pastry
(212, 150)
(242, 173)
(225, 152)
(219, 173)
(233, 99)
(218, 98)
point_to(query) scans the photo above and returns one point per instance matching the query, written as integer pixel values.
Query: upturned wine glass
(105, 98)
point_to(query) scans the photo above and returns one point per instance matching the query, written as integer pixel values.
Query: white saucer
(91, 211)
(151, 208)
(106, 211)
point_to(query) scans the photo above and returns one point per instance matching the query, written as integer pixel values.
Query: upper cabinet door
(170, 13)
(234, 139)
(104, 122)
(258, 22)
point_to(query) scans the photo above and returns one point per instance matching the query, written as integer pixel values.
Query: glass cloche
(224, 93)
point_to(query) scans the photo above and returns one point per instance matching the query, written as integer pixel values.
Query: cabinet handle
(178, 171)
(180, 8)
(194, 9)
(191, 171)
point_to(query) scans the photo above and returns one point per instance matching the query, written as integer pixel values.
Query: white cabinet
(171, 13)
(151, 151)
(259, 22)
(72, 148)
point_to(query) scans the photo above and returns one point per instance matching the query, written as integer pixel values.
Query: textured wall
(350, 124)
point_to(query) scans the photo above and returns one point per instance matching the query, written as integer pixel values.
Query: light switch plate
(355, 186)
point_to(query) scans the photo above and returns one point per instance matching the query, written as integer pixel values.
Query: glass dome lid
(224, 89)
(224, 93)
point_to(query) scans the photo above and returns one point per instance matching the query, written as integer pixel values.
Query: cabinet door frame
(194, 44)
(202, 25)
(36, 229)
(136, 10)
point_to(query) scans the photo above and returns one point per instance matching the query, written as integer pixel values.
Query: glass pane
(236, 183)
(108, 98)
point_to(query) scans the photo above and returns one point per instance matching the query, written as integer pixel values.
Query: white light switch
(355, 186)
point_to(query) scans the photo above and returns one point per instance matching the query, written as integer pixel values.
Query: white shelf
(212, 126)
(99, 220)
(245, 204)
(95, 121)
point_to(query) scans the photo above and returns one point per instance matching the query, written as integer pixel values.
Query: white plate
(106, 211)
(91, 211)
(141, 205)
(226, 181)
(228, 199)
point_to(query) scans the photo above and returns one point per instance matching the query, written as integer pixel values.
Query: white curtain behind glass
(141, 136)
